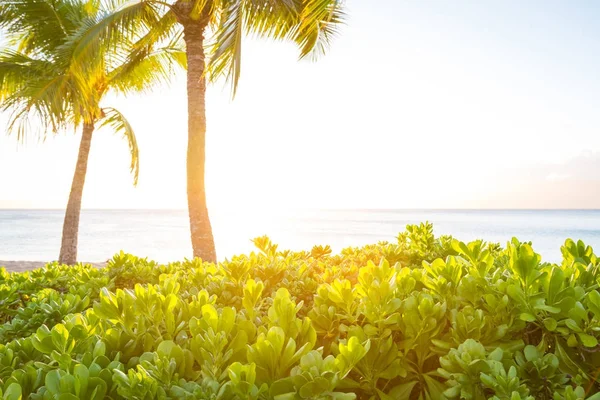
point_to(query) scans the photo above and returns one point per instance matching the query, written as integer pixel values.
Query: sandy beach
(20, 266)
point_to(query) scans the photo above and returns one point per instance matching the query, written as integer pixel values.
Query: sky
(418, 104)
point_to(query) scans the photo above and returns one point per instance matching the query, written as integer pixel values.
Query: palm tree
(216, 27)
(41, 80)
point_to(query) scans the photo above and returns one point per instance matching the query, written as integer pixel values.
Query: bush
(423, 318)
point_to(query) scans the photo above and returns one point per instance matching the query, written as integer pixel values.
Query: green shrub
(422, 318)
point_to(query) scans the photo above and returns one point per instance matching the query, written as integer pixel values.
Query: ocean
(162, 235)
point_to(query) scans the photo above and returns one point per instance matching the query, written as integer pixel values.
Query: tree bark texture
(200, 228)
(68, 248)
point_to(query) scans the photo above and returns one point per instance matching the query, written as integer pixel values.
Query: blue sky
(431, 104)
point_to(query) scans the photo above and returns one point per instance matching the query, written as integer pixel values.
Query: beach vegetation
(422, 317)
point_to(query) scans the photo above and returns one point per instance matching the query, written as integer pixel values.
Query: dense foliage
(423, 318)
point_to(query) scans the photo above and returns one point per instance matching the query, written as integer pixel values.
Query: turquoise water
(163, 235)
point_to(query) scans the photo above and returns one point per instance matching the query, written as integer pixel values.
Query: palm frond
(144, 74)
(312, 24)
(39, 25)
(275, 19)
(319, 23)
(108, 33)
(200, 7)
(165, 29)
(160, 48)
(119, 124)
(32, 89)
(226, 57)
(17, 68)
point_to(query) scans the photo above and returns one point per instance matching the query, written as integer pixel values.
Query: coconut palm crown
(51, 79)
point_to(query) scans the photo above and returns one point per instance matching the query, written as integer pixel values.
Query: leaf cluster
(421, 318)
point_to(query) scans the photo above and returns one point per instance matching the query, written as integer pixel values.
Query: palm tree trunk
(68, 248)
(201, 231)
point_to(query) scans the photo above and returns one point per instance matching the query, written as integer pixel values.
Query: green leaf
(353, 351)
(572, 325)
(567, 364)
(550, 324)
(99, 349)
(282, 387)
(594, 303)
(556, 280)
(588, 340)
(572, 341)
(527, 317)
(168, 348)
(82, 376)
(434, 387)
(530, 352)
(100, 388)
(52, 381)
(13, 392)
(550, 309)
(67, 383)
(516, 293)
(402, 391)
(496, 355)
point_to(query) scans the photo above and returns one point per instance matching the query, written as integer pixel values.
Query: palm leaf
(107, 34)
(226, 57)
(320, 20)
(165, 29)
(312, 24)
(38, 25)
(140, 75)
(32, 88)
(119, 124)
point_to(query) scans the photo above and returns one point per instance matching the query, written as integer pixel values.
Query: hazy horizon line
(308, 209)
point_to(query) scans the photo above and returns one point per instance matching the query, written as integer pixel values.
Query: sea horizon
(309, 209)
(163, 234)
